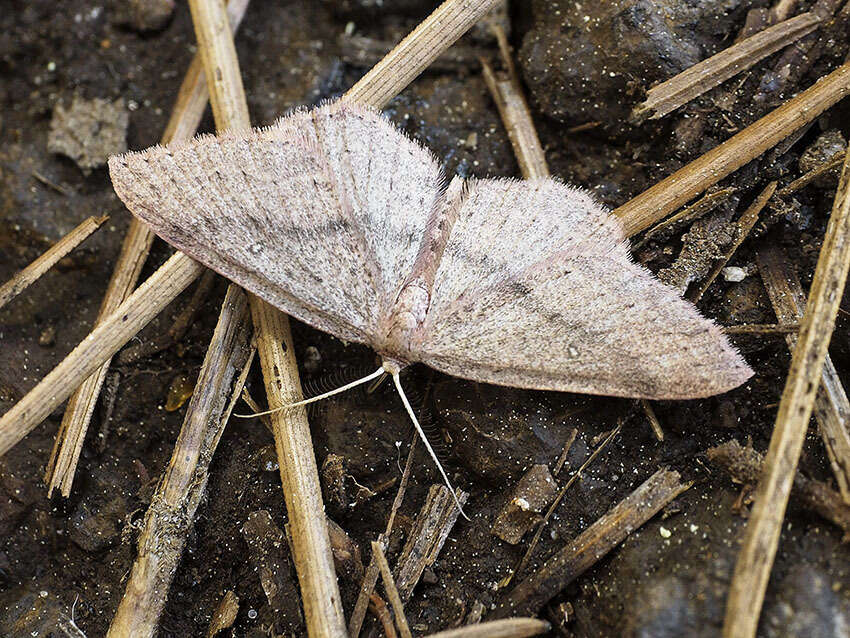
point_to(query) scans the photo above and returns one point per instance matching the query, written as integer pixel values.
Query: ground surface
(62, 555)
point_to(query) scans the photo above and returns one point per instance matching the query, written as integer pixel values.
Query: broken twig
(382, 613)
(702, 206)
(562, 460)
(24, 278)
(172, 510)
(762, 329)
(654, 423)
(518, 123)
(832, 164)
(364, 597)
(370, 578)
(430, 531)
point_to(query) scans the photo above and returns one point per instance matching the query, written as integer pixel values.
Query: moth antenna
(377, 373)
(424, 438)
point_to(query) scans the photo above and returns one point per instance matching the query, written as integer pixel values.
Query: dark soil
(583, 63)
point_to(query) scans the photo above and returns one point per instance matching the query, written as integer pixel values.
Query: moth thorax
(408, 314)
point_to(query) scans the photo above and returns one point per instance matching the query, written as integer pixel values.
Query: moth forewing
(337, 218)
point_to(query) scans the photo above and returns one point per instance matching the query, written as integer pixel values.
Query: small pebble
(665, 533)
(47, 337)
(734, 273)
(143, 15)
(312, 359)
(429, 577)
(266, 459)
(179, 392)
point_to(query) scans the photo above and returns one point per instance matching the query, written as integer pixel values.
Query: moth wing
(313, 214)
(536, 289)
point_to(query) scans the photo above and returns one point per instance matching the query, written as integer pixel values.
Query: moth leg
(376, 383)
(377, 373)
(424, 438)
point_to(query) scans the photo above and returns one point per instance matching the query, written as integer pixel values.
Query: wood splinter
(508, 628)
(430, 531)
(711, 72)
(225, 614)
(592, 544)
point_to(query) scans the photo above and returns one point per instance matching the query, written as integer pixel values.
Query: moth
(337, 218)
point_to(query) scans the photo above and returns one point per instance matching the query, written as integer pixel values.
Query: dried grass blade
(761, 539)
(832, 406)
